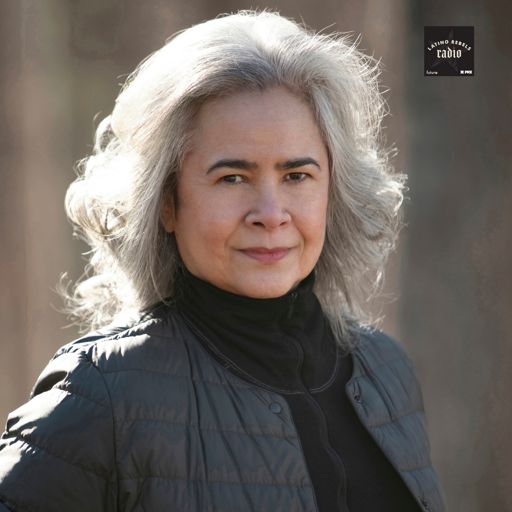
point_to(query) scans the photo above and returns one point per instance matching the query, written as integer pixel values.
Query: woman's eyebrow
(233, 164)
(298, 162)
(246, 165)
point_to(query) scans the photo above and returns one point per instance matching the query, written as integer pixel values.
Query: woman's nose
(268, 210)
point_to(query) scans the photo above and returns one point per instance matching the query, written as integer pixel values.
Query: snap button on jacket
(146, 419)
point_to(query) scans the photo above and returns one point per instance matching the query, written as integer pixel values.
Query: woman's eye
(234, 179)
(297, 176)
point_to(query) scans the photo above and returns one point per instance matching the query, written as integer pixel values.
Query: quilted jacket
(145, 419)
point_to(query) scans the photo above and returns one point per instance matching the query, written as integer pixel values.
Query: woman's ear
(167, 215)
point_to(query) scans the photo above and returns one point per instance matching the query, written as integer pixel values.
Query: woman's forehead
(251, 116)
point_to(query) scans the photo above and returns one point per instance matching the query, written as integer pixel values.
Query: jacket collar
(283, 343)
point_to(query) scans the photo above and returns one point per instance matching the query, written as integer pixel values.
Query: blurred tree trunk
(13, 295)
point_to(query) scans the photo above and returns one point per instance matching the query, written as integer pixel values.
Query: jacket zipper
(324, 435)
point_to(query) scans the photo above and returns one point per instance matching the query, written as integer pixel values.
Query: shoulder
(64, 436)
(382, 364)
(150, 342)
(378, 348)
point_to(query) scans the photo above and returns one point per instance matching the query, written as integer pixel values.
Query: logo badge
(449, 51)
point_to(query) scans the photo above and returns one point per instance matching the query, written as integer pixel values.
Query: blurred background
(448, 294)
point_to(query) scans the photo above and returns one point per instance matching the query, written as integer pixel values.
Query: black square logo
(449, 51)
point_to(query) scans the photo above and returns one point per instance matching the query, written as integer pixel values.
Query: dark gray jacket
(144, 419)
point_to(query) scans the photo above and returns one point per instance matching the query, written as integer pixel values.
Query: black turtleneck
(285, 344)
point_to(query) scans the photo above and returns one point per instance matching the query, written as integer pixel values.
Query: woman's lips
(267, 255)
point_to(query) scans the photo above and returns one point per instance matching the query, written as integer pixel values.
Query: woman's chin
(265, 285)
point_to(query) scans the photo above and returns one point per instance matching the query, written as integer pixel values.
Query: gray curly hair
(115, 202)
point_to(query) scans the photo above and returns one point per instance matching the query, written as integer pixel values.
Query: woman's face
(252, 194)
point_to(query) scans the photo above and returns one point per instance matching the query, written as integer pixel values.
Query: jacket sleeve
(58, 449)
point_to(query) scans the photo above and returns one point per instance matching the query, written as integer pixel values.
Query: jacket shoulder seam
(93, 338)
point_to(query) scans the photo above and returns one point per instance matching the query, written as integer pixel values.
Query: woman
(240, 209)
